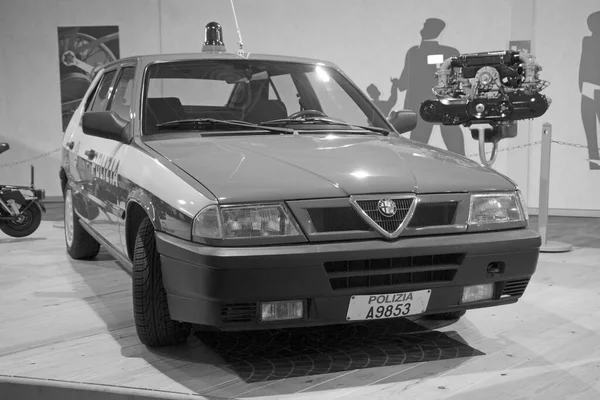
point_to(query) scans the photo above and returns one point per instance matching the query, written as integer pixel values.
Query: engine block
(493, 88)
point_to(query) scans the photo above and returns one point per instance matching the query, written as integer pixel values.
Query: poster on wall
(81, 50)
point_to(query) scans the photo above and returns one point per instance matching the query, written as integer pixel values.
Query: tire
(28, 223)
(80, 244)
(446, 315)
(151, 311)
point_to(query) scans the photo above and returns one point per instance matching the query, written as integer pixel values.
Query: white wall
(368, 39)
(30, 110)
(559, 29)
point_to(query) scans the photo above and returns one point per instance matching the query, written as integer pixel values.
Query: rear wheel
(26, 223)
(152, 319)
(80, 244)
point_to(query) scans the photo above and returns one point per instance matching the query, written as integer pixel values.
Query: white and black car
(250, 191)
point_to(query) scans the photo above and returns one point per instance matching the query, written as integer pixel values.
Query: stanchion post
(545, 181)
(547, 247)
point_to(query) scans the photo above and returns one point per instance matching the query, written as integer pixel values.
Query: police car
(250, 191)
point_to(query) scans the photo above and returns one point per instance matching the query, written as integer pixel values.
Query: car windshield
(257, 92)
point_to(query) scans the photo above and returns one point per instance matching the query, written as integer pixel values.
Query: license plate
(392, 305)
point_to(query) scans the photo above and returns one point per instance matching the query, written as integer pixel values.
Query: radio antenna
(240, 43)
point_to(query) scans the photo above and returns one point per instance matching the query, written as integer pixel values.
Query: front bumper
(223, 287)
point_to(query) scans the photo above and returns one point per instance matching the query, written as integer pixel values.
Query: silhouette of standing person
(384, 105)
(418, 78)
(589, 86)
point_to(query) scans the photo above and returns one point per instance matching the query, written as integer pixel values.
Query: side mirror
(4, 147)
(105, 124)
(403, 120)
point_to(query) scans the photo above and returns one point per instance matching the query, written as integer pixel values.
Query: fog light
(477, 293)
(282, 310)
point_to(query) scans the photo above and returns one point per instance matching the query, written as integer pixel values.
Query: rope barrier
(31, 158)
(559, 142)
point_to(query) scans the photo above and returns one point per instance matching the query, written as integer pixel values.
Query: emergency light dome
(213, 38)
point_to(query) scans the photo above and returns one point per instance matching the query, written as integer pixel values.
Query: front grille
(389, 224)
(392, 271)
(515, 288)
(336, 219)
(346, 219)
(238, 313)
(433, 214)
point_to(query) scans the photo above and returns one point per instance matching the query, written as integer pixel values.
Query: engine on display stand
(492, 88)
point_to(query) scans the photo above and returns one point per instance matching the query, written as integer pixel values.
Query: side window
(121, 100)
(102, 93)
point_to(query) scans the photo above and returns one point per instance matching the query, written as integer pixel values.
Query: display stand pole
(547, 247)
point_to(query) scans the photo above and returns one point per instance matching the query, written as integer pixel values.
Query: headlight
(263, 222)
(496, 211)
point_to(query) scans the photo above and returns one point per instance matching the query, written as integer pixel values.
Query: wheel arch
(136, 211)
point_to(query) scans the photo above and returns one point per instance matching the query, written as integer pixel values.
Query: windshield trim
(358, 92)
(186, 134)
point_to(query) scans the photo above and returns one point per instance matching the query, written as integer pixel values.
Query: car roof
(209, 55)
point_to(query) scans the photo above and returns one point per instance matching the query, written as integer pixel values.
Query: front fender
(143, 199)
(41, 206)
(164, 217)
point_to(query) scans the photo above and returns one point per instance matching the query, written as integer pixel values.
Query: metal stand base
(555, 247)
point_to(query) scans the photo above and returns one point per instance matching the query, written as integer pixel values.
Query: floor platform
(66, 322)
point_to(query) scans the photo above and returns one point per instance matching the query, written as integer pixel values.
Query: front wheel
(152, 318)
(26, 223)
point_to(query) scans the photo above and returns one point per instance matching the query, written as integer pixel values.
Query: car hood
(308, 166)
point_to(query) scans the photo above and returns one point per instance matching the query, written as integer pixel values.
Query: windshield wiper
(197, 122)
(328, 121)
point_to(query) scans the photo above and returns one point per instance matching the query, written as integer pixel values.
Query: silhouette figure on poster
(384, 105)
(418, 78)
(589, 86)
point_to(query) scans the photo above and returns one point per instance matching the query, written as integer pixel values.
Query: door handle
(70, 145)
(90, 154)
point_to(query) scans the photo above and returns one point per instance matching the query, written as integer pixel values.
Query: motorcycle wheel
(26, 224)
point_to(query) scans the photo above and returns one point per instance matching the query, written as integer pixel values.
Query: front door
(101, 156)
